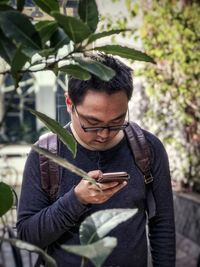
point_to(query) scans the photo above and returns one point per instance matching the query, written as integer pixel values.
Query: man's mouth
(101, 141)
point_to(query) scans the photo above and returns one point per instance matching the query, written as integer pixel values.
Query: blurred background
(166, 100)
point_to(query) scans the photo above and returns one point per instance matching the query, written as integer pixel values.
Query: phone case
(113, 177)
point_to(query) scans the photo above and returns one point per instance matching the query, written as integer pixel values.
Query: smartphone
(113, 177)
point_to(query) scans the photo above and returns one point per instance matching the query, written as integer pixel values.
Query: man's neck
(113, 143)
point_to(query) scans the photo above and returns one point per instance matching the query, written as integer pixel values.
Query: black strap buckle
(148, 178)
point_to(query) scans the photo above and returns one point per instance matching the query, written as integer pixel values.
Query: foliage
(31, 248)
(169, 103)
(25, 39)
(29, 46)
(171, 34)
(6, 198)
(94, 245)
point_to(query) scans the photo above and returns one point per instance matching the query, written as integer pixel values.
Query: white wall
(45, 95)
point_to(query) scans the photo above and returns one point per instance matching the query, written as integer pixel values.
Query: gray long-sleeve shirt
(45, 224)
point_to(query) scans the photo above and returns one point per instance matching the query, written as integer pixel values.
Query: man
(98, 110)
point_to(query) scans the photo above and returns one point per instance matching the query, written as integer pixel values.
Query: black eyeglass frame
(96, 129)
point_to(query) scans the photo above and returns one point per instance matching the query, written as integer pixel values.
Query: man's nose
(103, 133)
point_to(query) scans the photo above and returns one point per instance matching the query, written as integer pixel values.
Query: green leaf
(95, 36)
(46, 29)
(64, 163)
(20, 4)
(96, 252)
(20, 30)
(7, 48)
(29, 247)
(46, 53)
(56, 128)
(47, 6)
(102, 222)
(125, 52)
(6, 198)
(59, 39)
(76, 71)
(74, 28)
(4, 2)
(88, 12)
(99, 69)
(18, 61)
(5, 7)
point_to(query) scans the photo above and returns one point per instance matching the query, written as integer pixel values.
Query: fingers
(95, 174)
(105, 186)
(88, 193)
(105, 191)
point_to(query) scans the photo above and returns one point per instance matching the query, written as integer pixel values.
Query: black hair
(122, 81)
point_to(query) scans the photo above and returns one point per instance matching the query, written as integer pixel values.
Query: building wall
(45, 95)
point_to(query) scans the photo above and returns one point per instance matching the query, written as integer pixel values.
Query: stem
(79, 49)
(84, 262)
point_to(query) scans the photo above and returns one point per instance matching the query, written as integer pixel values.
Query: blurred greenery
(170, 108)
(170, 32)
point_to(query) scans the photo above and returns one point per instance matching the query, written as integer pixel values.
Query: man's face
(98, 109)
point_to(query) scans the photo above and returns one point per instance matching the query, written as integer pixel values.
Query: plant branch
(48, 66)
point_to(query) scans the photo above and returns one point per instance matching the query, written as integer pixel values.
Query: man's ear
(69, 103)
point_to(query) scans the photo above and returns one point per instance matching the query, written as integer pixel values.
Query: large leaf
(88, 12)
(6, 198)
(7, 48)
(74, 28)
(4, 2)
(20, 4)
(18, 61)
(29, 247)
(76, 71)
(56, 128)
(125, 52)
(46, 29)
(100, 223)
(59, 39)
(48, 52)
(96, 252)
(4, 6)
(20, 30)
(99, 69)
(47, 6)
(64, 163)
(93, 37)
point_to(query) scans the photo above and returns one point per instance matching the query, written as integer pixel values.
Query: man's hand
(88, 193)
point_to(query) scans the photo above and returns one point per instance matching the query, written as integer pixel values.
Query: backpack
(140, 149)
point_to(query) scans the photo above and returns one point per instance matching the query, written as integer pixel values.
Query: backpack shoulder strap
(142, 156)
(49, 169)
(141, 150)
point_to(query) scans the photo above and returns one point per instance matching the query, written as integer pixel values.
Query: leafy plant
(26, 39)
(94, 245)
(21, 245)
(36, 47)
(169, 98)
(6, 198)
(171, 32)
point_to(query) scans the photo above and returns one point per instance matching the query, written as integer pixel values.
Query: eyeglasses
(101, 128)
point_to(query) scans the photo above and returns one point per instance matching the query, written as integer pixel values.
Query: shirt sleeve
(39, 222)
(162, 226)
